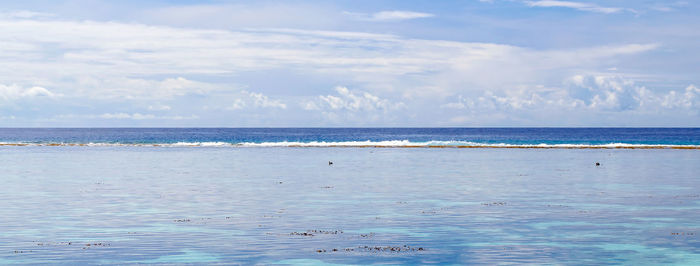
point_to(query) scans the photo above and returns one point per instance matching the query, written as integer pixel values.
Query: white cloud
(351, 107)
(137, 88)
(255, 99)
(668, 7)
(134, 116)
(25, 14)
(352, 101)
(97, 62)
(399, 15)
(241, 15)
(392, 15)
(125, 116)
(512, 100)
(608, 93)
(310, 106)
(260, 100)
(14, 91)
(159, 107)
(237, 105)
(615, 93)
(582, 93)
(690, 99)
(110, 60)
(575, 5)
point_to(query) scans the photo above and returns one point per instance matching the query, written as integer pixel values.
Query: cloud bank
(71, 72)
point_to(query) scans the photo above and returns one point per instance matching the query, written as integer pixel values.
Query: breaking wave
(369, 144)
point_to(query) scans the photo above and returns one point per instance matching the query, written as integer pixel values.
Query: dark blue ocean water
(380, 136)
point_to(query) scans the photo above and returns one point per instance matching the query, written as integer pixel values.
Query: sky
(462, 63)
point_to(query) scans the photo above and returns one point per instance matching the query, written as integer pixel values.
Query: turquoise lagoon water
(282, 205)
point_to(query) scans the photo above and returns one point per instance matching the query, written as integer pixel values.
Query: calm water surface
(261, 205)
(345, 136)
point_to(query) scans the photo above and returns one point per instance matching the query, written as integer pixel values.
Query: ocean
(584, 196)
(360, 137)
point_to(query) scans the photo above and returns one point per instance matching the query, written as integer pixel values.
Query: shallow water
(261, 205)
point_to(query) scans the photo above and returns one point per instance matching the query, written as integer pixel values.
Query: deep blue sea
(270, 196)
(555, 137)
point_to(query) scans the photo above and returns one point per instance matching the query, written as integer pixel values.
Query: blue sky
(349, 63)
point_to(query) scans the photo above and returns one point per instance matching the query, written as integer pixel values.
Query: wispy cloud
(14, 91)
(25, 14)
(131, 116)
(110, 85)
(241, 14)
(108, 60)
(576, 5)
(129, 71)
(392, 15)
(399, 15)
(668, 6)
(159, 107)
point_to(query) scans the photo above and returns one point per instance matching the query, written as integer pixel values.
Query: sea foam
(367, 144)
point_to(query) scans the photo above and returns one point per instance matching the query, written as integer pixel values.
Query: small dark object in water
(330, 163)
(312, 232)
(405, 248)
(495, 204)
(301, 234)
(597, 164)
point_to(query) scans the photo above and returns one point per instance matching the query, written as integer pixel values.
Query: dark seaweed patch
(404, 248)
(316, 232)
(500, 203)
